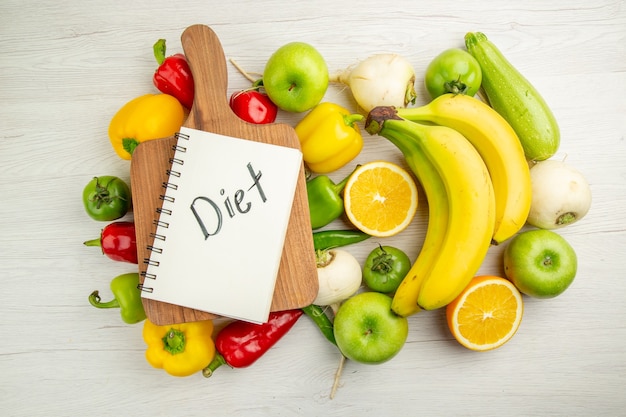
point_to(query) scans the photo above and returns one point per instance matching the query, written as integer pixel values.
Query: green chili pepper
(325, 201)
(328, 239)
(127, 298)
(319, 317)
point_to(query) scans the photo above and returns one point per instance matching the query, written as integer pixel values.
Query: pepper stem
(351, 119)
(94, 300)
(93, 242)
(342, 184)
(130, 144)
(217, 361)
(159, 51)
(174, 341)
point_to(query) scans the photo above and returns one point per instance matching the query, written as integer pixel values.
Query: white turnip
(339, 275)
(380, 80)
(560, 195)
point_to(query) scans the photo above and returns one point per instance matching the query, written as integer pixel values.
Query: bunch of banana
(461, 202)
(498, 145)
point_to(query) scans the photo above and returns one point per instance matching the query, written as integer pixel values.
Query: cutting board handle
(205, 55)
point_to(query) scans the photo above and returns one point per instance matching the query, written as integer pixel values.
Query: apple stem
(547, 261)
(333, 391)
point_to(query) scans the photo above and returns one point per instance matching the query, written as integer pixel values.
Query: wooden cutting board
(296, 284)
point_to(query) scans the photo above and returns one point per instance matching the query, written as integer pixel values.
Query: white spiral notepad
(222, 225)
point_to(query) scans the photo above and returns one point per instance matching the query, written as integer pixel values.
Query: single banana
(472, 220)
(498, 145)
(470, 196)
(404, 301)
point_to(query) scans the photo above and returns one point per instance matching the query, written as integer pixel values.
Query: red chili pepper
(173, 76)
(253, 106)
(239, 344)
(117, 241)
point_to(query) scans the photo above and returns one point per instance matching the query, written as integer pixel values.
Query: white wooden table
(67, 66)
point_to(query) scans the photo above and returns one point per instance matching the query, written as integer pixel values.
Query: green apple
(296, 77)
(540, 263)
(367, 331)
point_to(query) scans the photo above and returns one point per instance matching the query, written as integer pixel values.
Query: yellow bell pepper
(151, 116)
(329, 137)
(179, 349)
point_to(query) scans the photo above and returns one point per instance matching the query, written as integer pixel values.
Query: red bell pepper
(239, 344)
(173, 76)
(117, 241)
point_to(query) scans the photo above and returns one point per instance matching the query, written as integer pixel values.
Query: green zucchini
(515, 98)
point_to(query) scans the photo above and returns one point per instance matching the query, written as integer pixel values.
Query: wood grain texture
(296, 283)
(68, 66)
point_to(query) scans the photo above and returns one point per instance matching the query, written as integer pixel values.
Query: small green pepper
(127, 298)
(319, 317)
(325, 201)
(329, 239)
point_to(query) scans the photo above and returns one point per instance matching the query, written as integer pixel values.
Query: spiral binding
(168, 187)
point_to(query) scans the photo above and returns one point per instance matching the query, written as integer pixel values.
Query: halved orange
(380, 198)
(486, 314)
